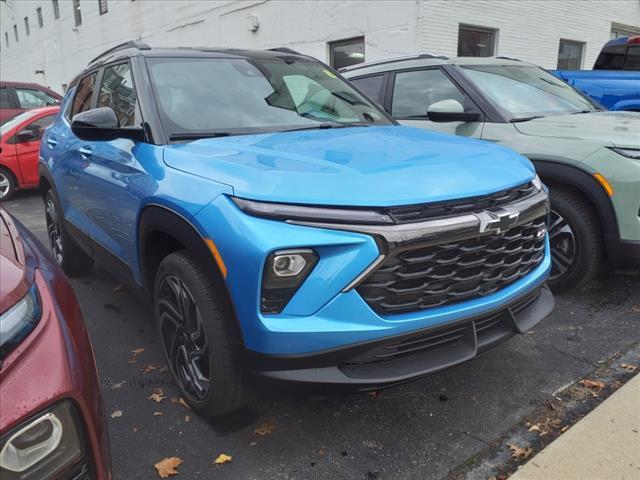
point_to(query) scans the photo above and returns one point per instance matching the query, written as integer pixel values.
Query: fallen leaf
(592, 384)
(157, 395)
(132, 360)
(164, 369)
(116, 414)
(149, 368)
(134, 430)
(157, 414)
(321, 451)
(187, 418)
(629, 368)
(535, 428)
(520, 453)
(118, 288)
(374, 394)
(118, 385)
(265, 428)
(565, 428)
(181, 401)
(138, 351)
(167, 467)
(222, 458)
(253, 444)
(636, 308)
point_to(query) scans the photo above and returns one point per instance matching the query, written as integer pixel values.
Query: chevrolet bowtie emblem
(497, 221)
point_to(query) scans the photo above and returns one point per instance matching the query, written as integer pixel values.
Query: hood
(619, 129)
(14, 281)
(372, 166)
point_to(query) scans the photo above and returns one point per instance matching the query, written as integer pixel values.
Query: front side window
(526, 91)
(32, 98)
(372, 86)
(40, 124)
(415, 91)
(117, 92)
(84, 93)
(476, 41)
(570, 55)
(346, 52)
(237, 96)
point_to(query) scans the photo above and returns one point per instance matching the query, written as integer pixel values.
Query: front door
(413, 91)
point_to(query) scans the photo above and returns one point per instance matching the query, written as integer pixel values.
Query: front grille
(430, 211)
(425, 277)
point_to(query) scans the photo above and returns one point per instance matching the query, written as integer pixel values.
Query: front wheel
(575, 240)
(195, 323)
(71, 258)
(7, 184)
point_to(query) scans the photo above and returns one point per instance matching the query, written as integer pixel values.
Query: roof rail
(394, 59)
(509, 58)
(284, 50)
(139, 44)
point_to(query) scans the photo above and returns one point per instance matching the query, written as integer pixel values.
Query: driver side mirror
(102, 124)
(450, 110)
(24, 136)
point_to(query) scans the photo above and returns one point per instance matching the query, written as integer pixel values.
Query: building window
(570, 55)
(621, 30)
(346, 52)
(77, 13)
(103, 6)
(39, 15)
(15, 32)
(6, 38)
(476, 41)
(56, 9)
(26, 26)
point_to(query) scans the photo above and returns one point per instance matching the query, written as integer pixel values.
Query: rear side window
(84, 93)
(117, 91)
(5, 98)
(415, 91)
(372, 86)
(633, 58)
(32, 98)
(611, 58)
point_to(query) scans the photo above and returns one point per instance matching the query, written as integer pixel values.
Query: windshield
(525, 91)
(18, 119)
(208, 96)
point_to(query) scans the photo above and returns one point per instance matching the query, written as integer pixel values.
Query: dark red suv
(16, 97)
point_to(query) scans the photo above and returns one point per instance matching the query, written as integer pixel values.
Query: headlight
(283, 211)
(17, 322)
(43, 447)
(537, 183)
(627, 152)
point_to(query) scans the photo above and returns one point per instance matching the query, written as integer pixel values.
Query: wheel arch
(554, 173)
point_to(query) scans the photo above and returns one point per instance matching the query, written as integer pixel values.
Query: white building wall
(527, 29)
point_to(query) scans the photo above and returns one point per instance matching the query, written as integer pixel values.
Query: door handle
(52, 142)
(85, 152)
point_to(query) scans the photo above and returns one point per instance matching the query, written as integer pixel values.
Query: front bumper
(401, 358)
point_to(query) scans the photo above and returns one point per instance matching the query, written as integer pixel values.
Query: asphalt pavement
(420, 430)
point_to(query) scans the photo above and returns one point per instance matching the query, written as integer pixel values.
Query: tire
(204, 334)
(8, 184)
(66, 252)
(576, 240)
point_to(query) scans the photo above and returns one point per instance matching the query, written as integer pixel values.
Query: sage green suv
(589, 158)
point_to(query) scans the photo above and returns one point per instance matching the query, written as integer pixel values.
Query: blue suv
(283, 225)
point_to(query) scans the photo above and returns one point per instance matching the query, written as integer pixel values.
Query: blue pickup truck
(614, 81)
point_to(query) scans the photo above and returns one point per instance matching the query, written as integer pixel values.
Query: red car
(16, 97)
(52, 423)
(20, 148)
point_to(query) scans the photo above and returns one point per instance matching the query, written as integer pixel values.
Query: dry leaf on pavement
(265, 428)
(167, 467)
(137, 351)
(116, 414)
(592, 384)
(149, 368)
(187, 418)
(118, 385)
(520, 453)
(222, 458)
(629, 368)
(157, 414)
(157, 395)
(181, 401)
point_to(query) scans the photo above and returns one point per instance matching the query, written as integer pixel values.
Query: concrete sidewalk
(604, 445)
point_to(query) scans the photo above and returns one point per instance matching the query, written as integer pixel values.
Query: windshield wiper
(325, 125)
(525, 119)
(582, 111)
(197, 135)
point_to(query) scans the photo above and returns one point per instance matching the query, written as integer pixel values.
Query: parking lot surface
(419, 430)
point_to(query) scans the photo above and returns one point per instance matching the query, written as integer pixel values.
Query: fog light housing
(284, 272)
(43, 447)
